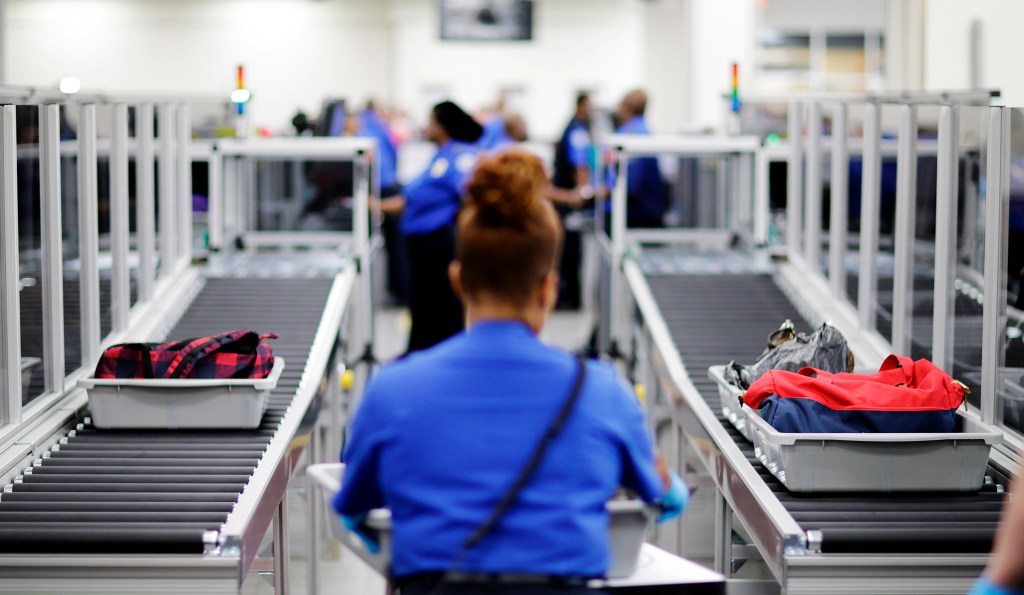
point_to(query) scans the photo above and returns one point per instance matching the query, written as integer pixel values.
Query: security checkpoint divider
(167, 283)
(809, 561)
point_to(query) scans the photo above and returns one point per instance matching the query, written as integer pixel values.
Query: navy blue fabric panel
(809, 416)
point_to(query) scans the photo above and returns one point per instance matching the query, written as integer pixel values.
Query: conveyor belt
(135, 492)
(717, 318)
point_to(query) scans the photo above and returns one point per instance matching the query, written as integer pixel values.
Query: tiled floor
(342, 572)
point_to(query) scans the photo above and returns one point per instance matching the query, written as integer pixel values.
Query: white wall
(723, 33)
(577, 44)
(295, 52)
(947, 51)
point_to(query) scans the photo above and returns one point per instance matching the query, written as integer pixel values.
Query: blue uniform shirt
(577, 142)
(442, 434)
(373, 126)
(648, 196)
(432, 198)
(494, 134)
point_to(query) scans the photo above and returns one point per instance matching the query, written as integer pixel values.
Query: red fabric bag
(235, 354)
(903, 396)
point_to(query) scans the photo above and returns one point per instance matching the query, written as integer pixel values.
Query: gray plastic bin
(875, 462)
(630, 520)
(121, 403)
(730, 395)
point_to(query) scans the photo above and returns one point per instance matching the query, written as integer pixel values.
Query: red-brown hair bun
(507, 189)
(508, 234)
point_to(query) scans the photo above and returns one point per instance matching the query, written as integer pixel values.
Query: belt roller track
(160, 491)
(881, 543)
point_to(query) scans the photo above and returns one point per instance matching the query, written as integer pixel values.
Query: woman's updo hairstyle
(509, 236)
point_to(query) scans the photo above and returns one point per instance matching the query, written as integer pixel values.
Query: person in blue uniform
(428, 205)
(440, 435)
(1004, 574)
(572, 171)
(373, 125)
(646, 193)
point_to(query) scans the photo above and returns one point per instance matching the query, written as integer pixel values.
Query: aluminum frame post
(839, 196)
(120, 295)
(215, 214)
(183, 181)
(361, 240)
(52, 254)
(744, 163)
(812, 189)
(145, 215)
(904, 231)
(762, 207)
(870, 200)
(88, 235)
(997, 213)
(10, 310)
(794, 178)
(616, 289)
(947, 183)
(168, 213)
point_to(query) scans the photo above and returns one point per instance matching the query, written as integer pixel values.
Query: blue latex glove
(354, 523)
(673, 501)
(984, 586)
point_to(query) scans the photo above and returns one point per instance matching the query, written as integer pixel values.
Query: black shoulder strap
(531, 466)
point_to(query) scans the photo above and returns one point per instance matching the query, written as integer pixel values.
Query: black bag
(824, 349)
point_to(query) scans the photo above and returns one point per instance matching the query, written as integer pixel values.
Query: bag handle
(531, 466)
(197, 349)
(899, 362)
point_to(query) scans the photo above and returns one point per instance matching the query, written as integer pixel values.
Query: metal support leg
(840, 204)
(723, 536)
(281, 547)
(313, 515)
(88, 235)
(53, 267)
(812, 189)
(943, 306)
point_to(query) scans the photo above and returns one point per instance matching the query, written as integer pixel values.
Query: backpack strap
(531, 466)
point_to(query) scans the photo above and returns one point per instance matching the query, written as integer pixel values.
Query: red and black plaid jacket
(235, 354)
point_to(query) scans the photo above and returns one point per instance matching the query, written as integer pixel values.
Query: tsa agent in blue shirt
(1004, 574)
(440, 435)
(428, 205)
(646, 194)
(572, 170)
(371, 124)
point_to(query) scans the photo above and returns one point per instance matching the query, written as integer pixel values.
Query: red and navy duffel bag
(235, 354)
(904, 396)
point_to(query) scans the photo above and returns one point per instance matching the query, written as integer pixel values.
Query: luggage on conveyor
(898, 430)
(787, 349)
(218, 381)
(904, 396)
(233, 354)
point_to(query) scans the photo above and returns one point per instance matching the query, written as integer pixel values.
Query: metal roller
(66, 506)
(137, 478)
(212, 519)
(101, 540)
(143, 470)
(38, 495)
(127, 487)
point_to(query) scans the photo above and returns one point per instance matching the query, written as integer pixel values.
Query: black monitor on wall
(486, 20)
